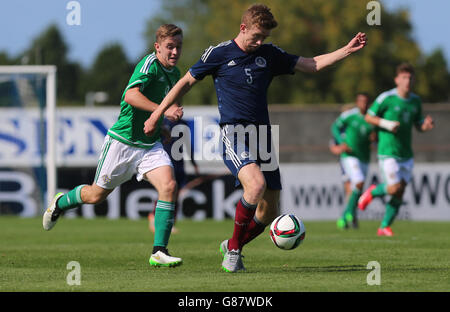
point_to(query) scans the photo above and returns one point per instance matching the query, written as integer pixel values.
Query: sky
(102, 22)
(106, 21)
(431, 23)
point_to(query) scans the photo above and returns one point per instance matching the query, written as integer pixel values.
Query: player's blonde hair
(259, 15)
(166, 31)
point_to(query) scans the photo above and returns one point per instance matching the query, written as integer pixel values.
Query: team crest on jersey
(245, 154)
(106, 179)
(260, 61)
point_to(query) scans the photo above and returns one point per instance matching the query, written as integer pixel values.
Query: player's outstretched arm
(314, 64)
(176, 93)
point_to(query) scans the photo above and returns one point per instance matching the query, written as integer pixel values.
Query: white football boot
(164, 259)
(50, 216)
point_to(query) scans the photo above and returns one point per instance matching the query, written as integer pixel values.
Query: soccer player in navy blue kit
(242, 70)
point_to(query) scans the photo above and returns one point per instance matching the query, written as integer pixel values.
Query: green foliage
(50, 48)
(310, 28)
(306, 28)
(110, 72)
(433, 78)
(5, 59)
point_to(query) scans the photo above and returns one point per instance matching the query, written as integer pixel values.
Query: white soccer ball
(287, 231)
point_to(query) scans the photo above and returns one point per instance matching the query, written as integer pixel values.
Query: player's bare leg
(82, 194)
(268, 208)
(163, 180)
(94, 194)
(254, 185)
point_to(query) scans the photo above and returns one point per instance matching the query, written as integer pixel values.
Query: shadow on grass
(316, 269)
(352, 268)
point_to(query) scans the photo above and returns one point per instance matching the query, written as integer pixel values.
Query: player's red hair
(259, 15)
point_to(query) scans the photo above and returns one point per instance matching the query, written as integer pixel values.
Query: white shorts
(394, 171)
(344, 177)
(354, 169)
(118, 162)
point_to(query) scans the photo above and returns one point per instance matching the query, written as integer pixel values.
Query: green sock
(164, 219)
(349, 213)
(379, 190)
(392, 208)
(72, 199)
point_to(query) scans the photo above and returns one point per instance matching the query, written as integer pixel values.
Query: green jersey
(408, 112)
(352, 129)
(154, 82)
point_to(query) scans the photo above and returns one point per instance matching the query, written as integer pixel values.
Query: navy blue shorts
(244, 144)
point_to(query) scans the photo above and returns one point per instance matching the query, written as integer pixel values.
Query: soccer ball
(287, 231)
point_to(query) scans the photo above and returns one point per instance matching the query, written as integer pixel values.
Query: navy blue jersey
(241, 79)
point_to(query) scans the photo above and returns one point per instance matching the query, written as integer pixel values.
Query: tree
(5, 59)
(49, 48)
(308, 28)
(110, 73)
(433, 78)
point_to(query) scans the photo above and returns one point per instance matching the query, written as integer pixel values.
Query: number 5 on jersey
(248, 72)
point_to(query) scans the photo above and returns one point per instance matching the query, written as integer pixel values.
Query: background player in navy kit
(242, 70)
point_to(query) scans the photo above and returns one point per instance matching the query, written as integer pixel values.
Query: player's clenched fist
(428, 123)
(150, 126)
(357, 43)
(174, 113)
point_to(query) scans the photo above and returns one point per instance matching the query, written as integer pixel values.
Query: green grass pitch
(113, 255)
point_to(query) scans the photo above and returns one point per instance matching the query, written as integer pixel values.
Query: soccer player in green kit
(127, 150)
(395, 112)
(353, 136)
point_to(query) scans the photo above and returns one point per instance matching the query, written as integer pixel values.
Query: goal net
(27, 138)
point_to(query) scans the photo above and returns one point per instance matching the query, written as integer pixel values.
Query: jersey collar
(239, 48)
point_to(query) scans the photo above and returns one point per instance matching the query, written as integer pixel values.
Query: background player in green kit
(353, 136)
(395, 112)
(127, 150)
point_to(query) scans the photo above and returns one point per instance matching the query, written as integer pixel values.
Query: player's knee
(396, 189)
(257, 189)
(168, 188)
(359, 186)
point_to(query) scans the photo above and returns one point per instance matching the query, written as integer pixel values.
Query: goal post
(49, 72)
